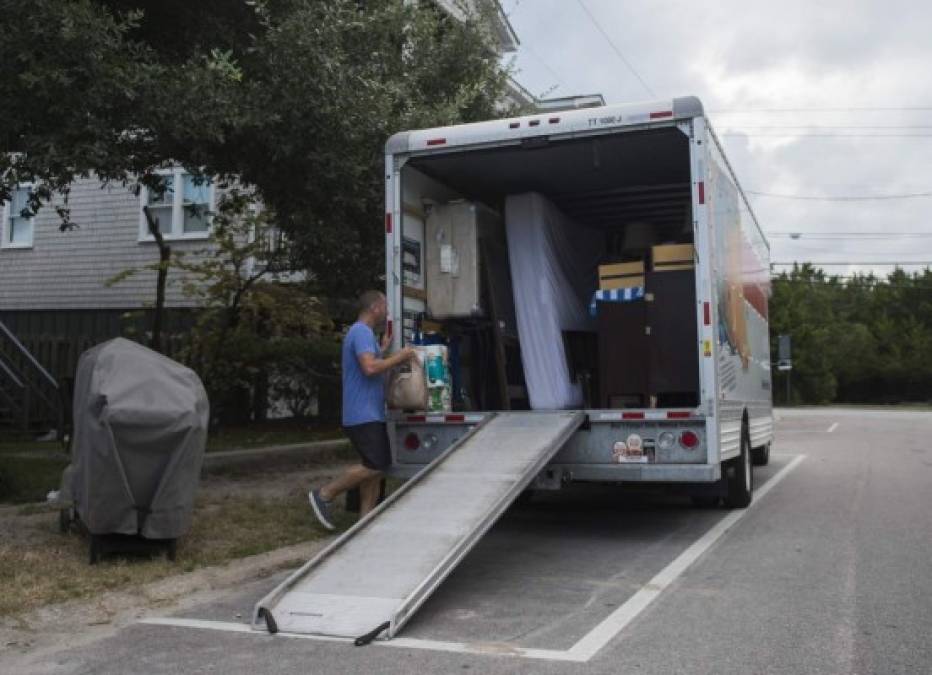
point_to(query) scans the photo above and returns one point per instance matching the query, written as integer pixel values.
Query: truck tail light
(412, 442)
(689, 440)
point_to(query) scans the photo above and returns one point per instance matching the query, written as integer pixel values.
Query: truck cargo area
(632, 342)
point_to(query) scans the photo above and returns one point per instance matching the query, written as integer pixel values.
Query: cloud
(745, 56)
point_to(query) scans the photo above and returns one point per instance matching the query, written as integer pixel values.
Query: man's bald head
(373, 309)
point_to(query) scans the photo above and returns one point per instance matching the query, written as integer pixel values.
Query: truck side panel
(741, 259)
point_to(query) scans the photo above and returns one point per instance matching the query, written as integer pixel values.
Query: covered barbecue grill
(140, 427)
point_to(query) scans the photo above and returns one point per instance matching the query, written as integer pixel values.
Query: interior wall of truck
(560, 274)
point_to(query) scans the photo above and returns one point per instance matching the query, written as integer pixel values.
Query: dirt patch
(235, 517)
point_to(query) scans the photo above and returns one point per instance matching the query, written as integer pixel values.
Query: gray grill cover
(140, 427)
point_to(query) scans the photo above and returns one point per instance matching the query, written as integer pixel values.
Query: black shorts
(371, 442)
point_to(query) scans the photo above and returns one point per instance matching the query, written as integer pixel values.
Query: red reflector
(437, 141)
(514, 125)
(554, 120)
(412, 442)
(388, 223)
(534, 123)
(707, 313)
(678, 415)
(632, 416)
(455, 418)
(661, 114)
(688, 439)
(388, 327)
(417, 418)
(701, 189)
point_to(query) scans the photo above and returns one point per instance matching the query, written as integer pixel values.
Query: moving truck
(599, 285)
(671, 365)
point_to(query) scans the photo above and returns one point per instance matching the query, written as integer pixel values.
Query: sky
(750, 62)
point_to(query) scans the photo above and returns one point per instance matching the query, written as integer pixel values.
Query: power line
(753, 111)
(876, 263)
(879, 283)
(826, 235)
(546, 66)
(615, 48)
(744, 135)
(846, 198)
(830, 126)
(850, 237)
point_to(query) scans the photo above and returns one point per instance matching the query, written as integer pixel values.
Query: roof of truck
(545, 124)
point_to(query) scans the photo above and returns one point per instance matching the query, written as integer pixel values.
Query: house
(55, 301)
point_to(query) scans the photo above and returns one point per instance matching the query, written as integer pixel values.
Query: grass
(284, 432)
(29, 469)
(39, 565)
(263, 436)
(19, 447)
(29, 479)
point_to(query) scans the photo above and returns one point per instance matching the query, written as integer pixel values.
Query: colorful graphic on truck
(745, 279)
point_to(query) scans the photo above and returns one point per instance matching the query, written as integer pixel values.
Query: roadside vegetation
(859, 340)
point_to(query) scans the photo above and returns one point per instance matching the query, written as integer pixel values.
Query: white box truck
(601, 286)
(674, 369)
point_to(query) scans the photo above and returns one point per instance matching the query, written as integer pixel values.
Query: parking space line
(598, 637)
(483, 648)
(581, 652)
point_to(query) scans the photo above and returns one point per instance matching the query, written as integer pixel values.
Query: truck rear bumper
(612, 473)
(641, 473)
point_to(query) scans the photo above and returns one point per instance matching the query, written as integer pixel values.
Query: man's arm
(372, 365)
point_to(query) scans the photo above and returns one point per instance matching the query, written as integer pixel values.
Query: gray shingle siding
(67, 270)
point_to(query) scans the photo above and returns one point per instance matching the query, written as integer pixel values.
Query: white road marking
(485, 648)
(832, 428)
(600, 636)
(581, 652)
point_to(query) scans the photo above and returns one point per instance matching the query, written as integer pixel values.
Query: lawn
(40, 566)
(30, 469)
(263, 435)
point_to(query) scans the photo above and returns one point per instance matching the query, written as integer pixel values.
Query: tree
(294, 97)
(861, 340)
(253, 327)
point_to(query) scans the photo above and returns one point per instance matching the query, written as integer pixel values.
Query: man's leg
(372, 444)
(369, 494)
(353, 476)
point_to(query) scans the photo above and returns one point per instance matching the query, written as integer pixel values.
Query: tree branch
(165, 253)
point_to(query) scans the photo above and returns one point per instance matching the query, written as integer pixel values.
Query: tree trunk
(165, 253)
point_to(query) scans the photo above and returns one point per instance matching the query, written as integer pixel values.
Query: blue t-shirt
(363, 397)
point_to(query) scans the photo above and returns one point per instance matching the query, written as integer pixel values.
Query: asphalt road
(830, 571)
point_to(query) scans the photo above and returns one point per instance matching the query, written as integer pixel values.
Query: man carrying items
(363, 409)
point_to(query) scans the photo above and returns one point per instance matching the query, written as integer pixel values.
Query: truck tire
(741, 478)
(705, 501)
(761, 456)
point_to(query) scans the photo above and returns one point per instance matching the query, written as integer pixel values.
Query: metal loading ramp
(376, 575)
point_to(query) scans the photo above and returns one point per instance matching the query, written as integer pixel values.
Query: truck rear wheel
(740, 476)
(761, 456)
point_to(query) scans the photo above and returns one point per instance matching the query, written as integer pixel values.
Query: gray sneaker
(321, 509)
